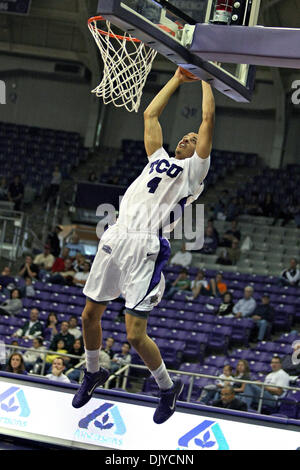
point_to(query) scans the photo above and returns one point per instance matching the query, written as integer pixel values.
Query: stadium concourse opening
(213, 292)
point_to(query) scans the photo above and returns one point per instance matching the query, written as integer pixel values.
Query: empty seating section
(32, 152)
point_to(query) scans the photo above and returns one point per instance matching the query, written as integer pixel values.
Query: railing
(12, 225)
(122, 374)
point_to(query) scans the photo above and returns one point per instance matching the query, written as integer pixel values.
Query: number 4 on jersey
(153, 184)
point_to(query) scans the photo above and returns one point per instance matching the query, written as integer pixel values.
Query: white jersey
(165, 185)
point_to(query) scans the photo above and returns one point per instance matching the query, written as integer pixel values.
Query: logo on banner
(207, 435)
(13, 406)
(104, 425)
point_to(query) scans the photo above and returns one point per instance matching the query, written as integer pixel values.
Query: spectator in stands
(108, 346)
(210, 242)
(73, 327)
(218, 286)
(182, 258)
(54, 184)
(232, 210)
(16, 192)
(226, 307)
(228, 400)
(44, 261)
(230, 256)
(92, 178)
(210, 224)
(268, 206)
(242, 372)
(3, 190)
(290, 276)
(287, 361)
(79, 262)
(51, 326)
(59, 350)
(80, 278)
(199, 286)
(59, 263)
(6, 280)
(241, 205)
(31, 357)
(53, 241)
(233, 234)
(12, 306)
(64, 277)
(64, 335)
(57, 373)
(182, 282)
(211, 391)
(32, 328)
(277, 379)
(220, 207)
(76, 350)
(263, 316)
(16, 364)
(121, 359)
(29, 269)
(74, 246)
(253, 206)
(28, 289)
(246, 305)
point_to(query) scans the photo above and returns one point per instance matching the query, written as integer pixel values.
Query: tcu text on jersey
(163, 166)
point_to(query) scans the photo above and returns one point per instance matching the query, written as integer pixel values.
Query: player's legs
(137, 336)
(136, 327)
(94, 375)
(91, 324)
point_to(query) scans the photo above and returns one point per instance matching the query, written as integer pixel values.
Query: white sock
(92, 360)
(162, 377)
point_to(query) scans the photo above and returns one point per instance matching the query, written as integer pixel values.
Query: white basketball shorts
(130, 264)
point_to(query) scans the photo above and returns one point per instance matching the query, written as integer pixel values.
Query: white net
(127, 63)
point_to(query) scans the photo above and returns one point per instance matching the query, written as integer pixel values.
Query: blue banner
(17, 7)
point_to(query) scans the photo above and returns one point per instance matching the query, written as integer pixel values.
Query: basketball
(189, 74)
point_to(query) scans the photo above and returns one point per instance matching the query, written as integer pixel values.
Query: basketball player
(131, 254)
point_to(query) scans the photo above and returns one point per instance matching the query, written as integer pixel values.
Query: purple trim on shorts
(161, 261)
(103, 302)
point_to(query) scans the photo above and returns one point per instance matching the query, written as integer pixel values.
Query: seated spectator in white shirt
(30, 357)
(291, 275)
(277, 379)
(32, 328)
(74, 246)
(182, 257)
(73, 328)
(45, 260)
(58, 367)
(80, 277)
(245, 306)
(121, 359)
(199, 286)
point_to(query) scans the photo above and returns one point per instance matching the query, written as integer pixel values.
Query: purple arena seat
(195, 346)
(215, 361)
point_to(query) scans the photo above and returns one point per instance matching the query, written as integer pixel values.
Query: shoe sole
(89, 396)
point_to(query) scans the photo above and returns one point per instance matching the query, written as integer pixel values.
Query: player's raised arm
(153, 137)
(206, 130)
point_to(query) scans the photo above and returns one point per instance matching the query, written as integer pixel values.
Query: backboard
(169, 26)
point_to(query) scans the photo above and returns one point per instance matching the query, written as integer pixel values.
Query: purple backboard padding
(273, 47)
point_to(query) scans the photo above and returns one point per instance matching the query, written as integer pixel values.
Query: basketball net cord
(125, 72)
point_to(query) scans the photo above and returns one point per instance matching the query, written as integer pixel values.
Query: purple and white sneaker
(88, 385)
(167, 402)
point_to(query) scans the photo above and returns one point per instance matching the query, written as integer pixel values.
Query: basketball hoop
(127, 63)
